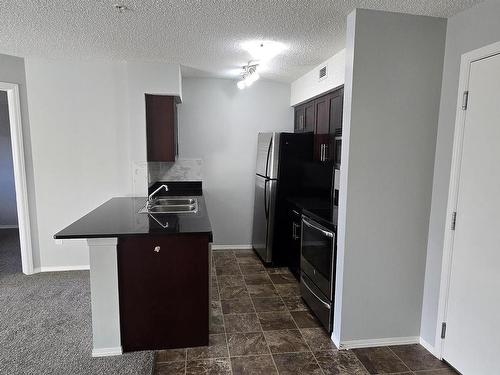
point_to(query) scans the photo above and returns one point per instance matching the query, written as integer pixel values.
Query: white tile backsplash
(180, 170)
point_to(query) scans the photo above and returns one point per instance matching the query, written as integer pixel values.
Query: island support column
(106, 337)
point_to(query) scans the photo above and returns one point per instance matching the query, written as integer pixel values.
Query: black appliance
(318, 256)
(317, 263)
(337, 148)
(280, 173)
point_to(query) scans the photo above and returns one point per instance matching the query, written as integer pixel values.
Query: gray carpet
(45, 322)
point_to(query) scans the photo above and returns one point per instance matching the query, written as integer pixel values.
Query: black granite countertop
(119, 217)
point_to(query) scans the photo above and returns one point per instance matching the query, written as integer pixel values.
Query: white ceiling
(204, 35)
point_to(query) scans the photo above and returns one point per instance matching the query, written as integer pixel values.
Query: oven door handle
(303, 282)
(311, 225)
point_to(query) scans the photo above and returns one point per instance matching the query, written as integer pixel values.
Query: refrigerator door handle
(266, 208)
(268, 154)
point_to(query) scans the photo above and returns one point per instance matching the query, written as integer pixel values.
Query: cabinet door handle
(322, 152)
(157, 249)
(325, 157)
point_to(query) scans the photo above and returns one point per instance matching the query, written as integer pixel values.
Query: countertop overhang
(120, 217)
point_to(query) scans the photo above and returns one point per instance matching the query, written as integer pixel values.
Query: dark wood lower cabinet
(164, 291)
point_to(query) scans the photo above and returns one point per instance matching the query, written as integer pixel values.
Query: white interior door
(472, 343)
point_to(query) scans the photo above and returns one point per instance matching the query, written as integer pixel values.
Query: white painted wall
(8, 209)
(79, 138)
(309, 86)
(146, 78)
(12, 70)
(469, 30)
(88, 129)
(219, 124)
(392, 91)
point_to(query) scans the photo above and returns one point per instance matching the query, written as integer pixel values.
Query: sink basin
(171, 206)
(173, 209)
(174, 201)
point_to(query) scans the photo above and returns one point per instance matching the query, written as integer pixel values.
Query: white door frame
(465, 64)
(16, 136)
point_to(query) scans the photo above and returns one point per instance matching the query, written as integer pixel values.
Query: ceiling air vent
(322, 73)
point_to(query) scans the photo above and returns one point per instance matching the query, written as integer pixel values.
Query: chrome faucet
(151, 196)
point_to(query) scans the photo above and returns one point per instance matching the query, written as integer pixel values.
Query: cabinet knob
(157, 249)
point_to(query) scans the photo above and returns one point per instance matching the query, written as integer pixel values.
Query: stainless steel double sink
(171, 205)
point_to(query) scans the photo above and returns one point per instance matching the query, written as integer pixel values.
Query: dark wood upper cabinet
(161, 127)
(305, 118)
(336, 101)
(336, 104)
(299, 125)
(309, 116)
(321, 128)
(323, 116)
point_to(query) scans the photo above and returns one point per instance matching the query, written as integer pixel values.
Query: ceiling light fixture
(263, 50)
(121, 8)
(248, 76)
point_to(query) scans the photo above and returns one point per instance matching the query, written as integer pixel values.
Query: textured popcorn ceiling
(204, 36)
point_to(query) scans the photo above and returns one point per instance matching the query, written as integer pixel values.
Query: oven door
(317, 302)
(317, 260)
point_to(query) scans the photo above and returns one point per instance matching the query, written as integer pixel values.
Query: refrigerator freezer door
(263, 217)
(263, 150)
(273, 158)
(268, 154)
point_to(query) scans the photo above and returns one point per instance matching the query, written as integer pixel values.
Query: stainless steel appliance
(266, 180)
(337, 150)
(280, 173)
(317, 263)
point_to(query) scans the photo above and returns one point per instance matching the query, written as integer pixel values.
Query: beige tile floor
(260, 325)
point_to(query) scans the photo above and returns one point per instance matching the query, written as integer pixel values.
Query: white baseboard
(231, 247)
(107, 352)
(336, 339)
(9, 226)
(430, 348)
(85, 267)
(355, 344)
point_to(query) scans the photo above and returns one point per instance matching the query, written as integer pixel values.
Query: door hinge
(443, 330)
(453, 220)
(465, 100)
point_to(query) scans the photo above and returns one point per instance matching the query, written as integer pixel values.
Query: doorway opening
(14, 212)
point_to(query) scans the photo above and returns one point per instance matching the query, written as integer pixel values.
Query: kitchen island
(149, 275)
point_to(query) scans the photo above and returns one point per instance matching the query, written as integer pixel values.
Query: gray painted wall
(469, 30)
(12, 70)
(393, 84)
(8, 210)
(219, 124)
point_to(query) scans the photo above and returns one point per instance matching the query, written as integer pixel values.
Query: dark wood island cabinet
(164, 291)
(149, 273)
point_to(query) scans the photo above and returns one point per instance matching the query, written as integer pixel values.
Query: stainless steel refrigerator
(266, 180)
(279, 172)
